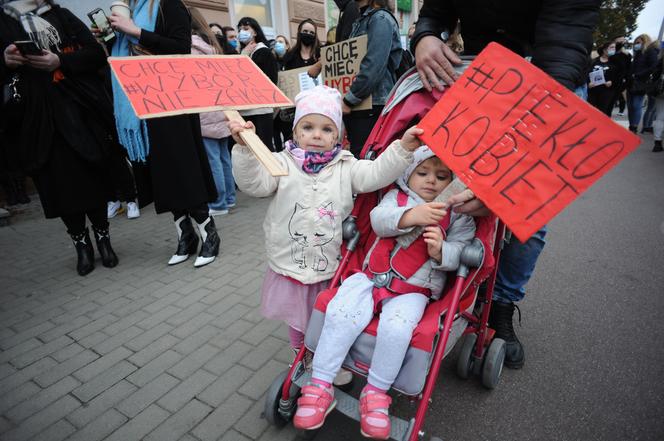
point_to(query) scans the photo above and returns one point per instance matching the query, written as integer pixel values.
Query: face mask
(244, 36)
(233, 44)
(279, 49)
(307, 39)
(637, 47)
(619, 46)
(611, 52)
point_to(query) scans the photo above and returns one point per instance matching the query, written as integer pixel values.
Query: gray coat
(385, 220)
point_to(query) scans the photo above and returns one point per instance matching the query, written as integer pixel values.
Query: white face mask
(637, 46)
(611, 52)
(244, 36)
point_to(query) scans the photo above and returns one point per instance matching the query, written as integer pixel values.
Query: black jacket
(557, 34)
(348, 13)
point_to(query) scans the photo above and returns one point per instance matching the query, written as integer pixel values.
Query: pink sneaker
(313, 406)
(374, 414)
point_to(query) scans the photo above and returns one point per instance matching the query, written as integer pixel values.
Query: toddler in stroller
(461, 310)
(398, 282)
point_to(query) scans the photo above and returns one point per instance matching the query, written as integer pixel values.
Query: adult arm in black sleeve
(176, 37)
(563, 38)
(435, 17)
(90, 57)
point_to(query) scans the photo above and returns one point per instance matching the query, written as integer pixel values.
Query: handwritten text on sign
(523, 143)
(176, 84)
(341, 64)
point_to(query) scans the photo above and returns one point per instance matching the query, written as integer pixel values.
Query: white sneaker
(231, 205)
(217, 212)
(114, 208)
(132, 210)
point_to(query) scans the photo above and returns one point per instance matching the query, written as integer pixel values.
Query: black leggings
(199, 213)
(264, 128)
(359, 125)
(75, 223)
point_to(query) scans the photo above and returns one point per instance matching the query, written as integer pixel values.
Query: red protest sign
(523, 143)
(175, 84)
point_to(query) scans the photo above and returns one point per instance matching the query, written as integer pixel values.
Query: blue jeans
(220, 163)
(582, 92)
(634, 109)
(517, 263)
(650, 114)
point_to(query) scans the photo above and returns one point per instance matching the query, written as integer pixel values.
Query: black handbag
(639, 86)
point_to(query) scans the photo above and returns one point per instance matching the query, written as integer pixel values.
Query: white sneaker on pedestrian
(231, 205)
(114, 208)
(217, 212)
(132, 210)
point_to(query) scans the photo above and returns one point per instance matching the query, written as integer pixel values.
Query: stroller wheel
(276, 411)
(493, 363)
(465, 361)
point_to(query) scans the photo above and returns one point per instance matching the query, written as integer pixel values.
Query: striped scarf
(27, 12)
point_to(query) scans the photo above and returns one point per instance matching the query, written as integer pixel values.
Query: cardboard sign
(597, 77)
(293, 81)
(176, 84)
(341, 64)
(523, 143)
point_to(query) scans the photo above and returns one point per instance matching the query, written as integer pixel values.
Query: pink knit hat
(322, 100)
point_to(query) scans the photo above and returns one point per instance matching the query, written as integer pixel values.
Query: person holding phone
(169, 160)
(57, 120)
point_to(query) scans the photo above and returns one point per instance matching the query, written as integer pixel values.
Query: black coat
(62, 130)
(177, 175)
(556, 33)
(348, 13)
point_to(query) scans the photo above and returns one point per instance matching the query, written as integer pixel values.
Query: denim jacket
(377, 70)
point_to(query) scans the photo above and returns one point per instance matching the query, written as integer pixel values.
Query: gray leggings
(349, 312)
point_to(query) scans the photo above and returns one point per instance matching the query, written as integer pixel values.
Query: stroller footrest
(349, 406)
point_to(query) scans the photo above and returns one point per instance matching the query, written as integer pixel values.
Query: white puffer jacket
(213, 124)
(303, 223)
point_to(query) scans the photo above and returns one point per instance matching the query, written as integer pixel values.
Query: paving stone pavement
(140, 351)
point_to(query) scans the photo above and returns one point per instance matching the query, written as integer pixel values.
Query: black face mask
(307, 39)
(619, 46)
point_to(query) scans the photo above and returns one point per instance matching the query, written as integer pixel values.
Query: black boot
(633, 129)
(10, 191)
(211, 243)
(21, 195)
(657, 147)
(500, 319)
(86, 254)
(646, 130)
(108, 257)
(187, 240)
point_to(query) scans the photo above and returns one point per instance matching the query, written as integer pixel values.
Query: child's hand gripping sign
(524, 144)
(167, 85)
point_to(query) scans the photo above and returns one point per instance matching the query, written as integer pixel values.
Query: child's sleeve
(386, 215)
(250, 175)
(368, 176)
(459, 234)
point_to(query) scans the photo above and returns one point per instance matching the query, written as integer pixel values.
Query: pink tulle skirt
(288, 300)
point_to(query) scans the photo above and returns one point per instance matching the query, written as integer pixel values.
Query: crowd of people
(631, 78)
(69, 126)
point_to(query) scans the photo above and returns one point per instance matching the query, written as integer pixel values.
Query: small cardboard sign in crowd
(523, 143)
(341, 64)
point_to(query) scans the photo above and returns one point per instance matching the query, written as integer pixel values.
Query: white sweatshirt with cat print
(303, 223)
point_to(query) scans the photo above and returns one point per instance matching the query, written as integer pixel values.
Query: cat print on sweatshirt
(310, 229)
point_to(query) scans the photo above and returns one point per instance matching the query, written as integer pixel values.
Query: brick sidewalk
(140, 351)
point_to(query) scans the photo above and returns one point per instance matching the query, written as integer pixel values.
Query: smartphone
(28, 47)
(99, 19)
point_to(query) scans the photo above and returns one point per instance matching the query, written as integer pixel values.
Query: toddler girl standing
(303, 223)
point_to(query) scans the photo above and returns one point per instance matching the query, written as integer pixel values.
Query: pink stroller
(459, 311)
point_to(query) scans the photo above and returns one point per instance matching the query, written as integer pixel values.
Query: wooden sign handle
(258, 148)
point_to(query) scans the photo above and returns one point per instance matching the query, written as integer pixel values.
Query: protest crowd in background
(90, 158)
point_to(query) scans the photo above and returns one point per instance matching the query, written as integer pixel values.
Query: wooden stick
(259, 149)
(455, 187)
